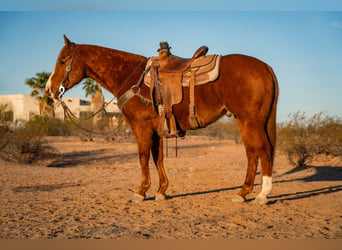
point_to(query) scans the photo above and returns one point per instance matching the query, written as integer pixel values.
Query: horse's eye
(62, 62)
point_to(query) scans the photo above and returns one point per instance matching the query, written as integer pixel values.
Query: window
(6, 116)
(84, 103)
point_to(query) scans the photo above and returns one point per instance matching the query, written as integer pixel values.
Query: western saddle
(166, 78)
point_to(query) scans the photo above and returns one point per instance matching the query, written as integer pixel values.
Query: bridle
(61, 88)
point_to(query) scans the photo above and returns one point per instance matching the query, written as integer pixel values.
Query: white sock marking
(266, 187)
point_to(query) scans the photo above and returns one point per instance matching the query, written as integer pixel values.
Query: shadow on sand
(75, 159)
(319, 173)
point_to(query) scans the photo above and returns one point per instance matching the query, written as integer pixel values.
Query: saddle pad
(207, 70)
(205, 73)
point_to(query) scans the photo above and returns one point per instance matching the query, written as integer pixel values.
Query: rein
(75, 120)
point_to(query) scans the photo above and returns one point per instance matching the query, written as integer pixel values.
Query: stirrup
(173, 131)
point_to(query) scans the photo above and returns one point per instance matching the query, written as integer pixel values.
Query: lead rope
(75, 120)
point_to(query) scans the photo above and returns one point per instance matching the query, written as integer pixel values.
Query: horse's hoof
(237, 199)
(159, 197)
(137, 198)
(260, 200)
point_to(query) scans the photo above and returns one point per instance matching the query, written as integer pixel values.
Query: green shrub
(302, 138)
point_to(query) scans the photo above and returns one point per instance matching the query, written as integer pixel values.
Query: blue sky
(303, 47)
(174, 5)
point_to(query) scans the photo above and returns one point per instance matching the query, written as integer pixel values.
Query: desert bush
(23, 146)
(222, 129)
(46, 126)
(27, 143)
(302, 138)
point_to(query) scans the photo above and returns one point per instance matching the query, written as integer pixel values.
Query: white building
(19, 107)
(24, 107)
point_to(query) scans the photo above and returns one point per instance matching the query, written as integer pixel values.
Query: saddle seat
(173, 64)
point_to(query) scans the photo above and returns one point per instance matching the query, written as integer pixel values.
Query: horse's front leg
(158, 156)
(144, 141)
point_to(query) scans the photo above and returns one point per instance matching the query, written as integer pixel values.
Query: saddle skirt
(206, 70)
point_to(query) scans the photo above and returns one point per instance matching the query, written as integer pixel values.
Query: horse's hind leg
(266, 158)
(157, 154)
(256, 143)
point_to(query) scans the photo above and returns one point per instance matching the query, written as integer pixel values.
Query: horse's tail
(271, 123)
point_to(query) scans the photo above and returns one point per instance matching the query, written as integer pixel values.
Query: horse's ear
(66, 41)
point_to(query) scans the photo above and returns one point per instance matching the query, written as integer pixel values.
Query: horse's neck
(111, 68)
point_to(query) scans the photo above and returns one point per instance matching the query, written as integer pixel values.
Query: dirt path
(85, 194)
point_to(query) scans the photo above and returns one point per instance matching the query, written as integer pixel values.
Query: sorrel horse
(246, 87)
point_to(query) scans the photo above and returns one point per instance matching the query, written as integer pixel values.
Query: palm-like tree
(93, 88)
(37, 83)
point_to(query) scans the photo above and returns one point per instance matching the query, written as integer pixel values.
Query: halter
(61, 88)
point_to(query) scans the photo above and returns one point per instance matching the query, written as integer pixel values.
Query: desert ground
(85, 192)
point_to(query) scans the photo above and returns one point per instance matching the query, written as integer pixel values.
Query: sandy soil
(86, 192)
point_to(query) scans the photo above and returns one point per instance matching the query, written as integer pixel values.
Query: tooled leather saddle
(168, 76)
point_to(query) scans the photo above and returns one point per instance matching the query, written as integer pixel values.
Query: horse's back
(238, 65)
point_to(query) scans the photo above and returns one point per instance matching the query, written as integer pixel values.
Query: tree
(37, 83)
(93, 88)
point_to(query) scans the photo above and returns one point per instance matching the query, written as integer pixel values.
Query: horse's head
(68, 71)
